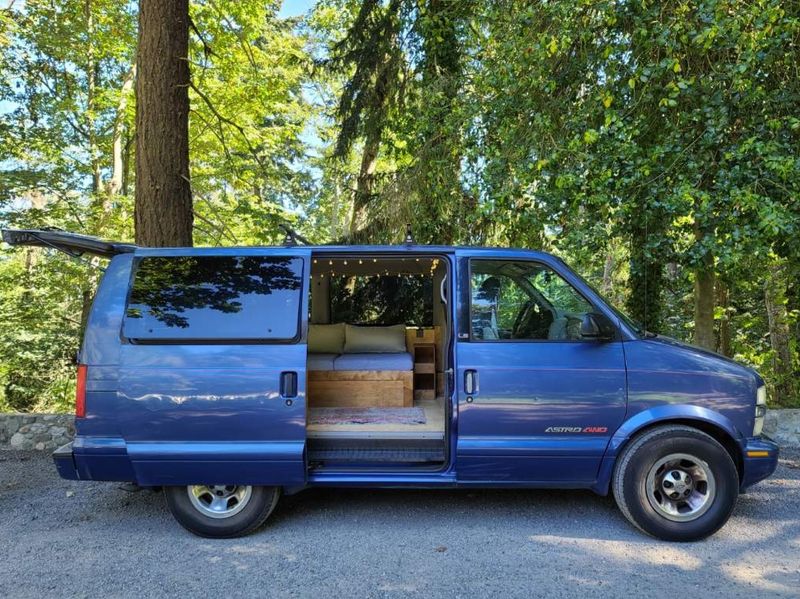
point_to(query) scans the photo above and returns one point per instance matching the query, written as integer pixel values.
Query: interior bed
(351, 366)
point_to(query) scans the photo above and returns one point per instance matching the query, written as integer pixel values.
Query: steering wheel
(530, 323)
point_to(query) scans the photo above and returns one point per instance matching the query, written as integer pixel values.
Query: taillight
(80, 392)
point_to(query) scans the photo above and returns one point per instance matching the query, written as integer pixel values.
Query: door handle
(288, 387)
(471, 382)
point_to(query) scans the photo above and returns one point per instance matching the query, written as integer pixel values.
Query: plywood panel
(358, 375)
(354, 388)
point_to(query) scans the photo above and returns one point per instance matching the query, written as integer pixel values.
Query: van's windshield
(637, 328)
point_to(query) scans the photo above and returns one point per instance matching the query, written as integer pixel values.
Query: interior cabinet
(424, 371)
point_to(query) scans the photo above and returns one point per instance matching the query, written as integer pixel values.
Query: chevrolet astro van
(228, 376)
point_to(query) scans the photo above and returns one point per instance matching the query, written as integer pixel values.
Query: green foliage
(248, 114)
(647, 143)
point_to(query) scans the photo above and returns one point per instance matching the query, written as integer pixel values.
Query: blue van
(228, 376)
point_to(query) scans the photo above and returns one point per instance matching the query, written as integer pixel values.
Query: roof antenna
(291, 237)
(409, 235)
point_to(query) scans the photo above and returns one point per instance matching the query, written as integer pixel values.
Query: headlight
(761, 410)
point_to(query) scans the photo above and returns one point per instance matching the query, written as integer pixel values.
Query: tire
(676, 483)
(221, 511)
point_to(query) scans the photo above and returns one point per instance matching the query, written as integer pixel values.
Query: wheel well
(712, 430)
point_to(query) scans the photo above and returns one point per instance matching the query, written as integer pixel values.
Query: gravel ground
(63, 538)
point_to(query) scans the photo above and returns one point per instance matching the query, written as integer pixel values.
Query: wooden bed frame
(360, 388)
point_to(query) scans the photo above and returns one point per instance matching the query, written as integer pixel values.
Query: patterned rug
(366, 416)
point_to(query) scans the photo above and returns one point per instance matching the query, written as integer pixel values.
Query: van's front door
(213, 366)
(536, 401)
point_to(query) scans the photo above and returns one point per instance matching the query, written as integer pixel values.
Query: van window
(523, 300)
(382, 300)
(208, 298)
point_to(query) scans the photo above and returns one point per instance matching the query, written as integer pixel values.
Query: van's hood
(724, 362)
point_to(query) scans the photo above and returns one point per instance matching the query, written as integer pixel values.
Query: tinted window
(523, 300)
(215, 297)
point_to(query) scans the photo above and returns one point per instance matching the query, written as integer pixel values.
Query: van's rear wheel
(676, 483)
(221, 511)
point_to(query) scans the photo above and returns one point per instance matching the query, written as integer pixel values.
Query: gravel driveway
(62, 538)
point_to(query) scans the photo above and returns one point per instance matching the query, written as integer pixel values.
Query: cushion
(326, 338)
(321, 361)
(393, 361)
(368, 340)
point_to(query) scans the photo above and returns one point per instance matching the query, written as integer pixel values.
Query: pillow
(326, 338)
(374, 340)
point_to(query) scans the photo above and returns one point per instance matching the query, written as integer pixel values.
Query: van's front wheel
(221, 511)
(676, 483)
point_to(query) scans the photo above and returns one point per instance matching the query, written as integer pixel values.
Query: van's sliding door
(213, 366)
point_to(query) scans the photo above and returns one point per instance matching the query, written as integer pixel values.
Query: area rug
(366, 416)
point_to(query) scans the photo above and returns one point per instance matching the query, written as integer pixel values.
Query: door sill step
(410, 451)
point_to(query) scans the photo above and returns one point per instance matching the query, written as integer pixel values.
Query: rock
(58, 431)
(19, 441)
(39, 446)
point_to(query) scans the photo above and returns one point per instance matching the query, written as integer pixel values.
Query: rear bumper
(760, 460)
(65, 462)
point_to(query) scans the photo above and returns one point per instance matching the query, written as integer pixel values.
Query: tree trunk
(117, 145)
(704, 303)
(608, 273)
(163, 208)
(364, 186)
(704, 285)
(723, 300)
(126, 163)
(646, 277)
(779, 331)
(91, 95)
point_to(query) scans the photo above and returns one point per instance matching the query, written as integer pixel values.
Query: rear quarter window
(214, 298)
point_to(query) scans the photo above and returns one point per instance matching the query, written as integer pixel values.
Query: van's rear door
(213, 366)
(71, 243)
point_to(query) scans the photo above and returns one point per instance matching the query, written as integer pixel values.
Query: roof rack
(292, 237)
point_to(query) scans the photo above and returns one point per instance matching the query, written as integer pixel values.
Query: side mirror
(597, 326)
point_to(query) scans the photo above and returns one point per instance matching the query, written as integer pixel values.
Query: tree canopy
(653, 145)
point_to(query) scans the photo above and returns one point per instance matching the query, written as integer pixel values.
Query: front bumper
(760, 460)
(65, 462)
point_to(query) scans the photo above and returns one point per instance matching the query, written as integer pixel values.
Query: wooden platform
(360, 388)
